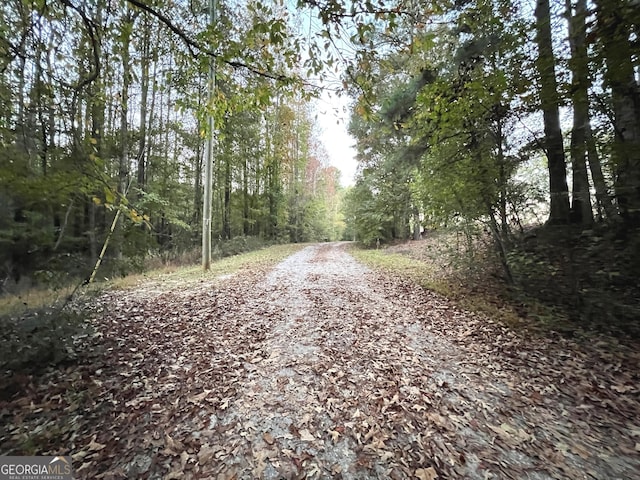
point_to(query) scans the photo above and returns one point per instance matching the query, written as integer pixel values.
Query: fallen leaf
(79, 455)
(184, 458)
(426, 473)
(206, 453)
(305, 435)
(580, 450)
(623, 388)
(172, 447)
(198, 398)
(95, 446)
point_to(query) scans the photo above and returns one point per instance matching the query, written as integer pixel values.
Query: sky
(332, 109)
(333, 120)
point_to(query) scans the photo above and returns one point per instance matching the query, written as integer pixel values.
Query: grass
(33, 299)
(39, 298)
(473, 281)
(36, 331)
(398, 264)
(429, 275)
(263, 258)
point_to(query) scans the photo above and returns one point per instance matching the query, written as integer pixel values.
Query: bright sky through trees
(333, 119)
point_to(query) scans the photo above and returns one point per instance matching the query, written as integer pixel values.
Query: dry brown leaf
(206, 453)
(623, 388)
(175, 475)
(198, 398)
(580, 450)
(184, 458)
(172, 447)
(79, 455)
(426, 473)
(95, 446)
(306, 436)
(267, 437)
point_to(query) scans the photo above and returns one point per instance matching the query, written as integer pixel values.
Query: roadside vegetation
(584, 287)
(40, 328)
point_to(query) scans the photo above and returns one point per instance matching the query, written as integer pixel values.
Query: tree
(549, 101)
(614, 30)
(581, 211)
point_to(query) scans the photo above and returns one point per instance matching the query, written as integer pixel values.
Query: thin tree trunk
(226, 214)
(581, 211)
(123, 165)
(151, 114)
(545, 64)
(602, 192)
(144, 93)
(123, 161)
(245, 194)
(197, 192)
(502, 179)
(96, 105)
(63, 226)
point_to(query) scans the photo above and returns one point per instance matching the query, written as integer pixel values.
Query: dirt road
(322, 368)
(359, 377)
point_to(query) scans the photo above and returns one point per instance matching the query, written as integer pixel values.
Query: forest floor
(322, 368)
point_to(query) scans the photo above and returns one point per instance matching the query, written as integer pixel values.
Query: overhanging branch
(194, 46)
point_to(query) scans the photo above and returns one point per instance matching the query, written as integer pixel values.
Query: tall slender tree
(549, 101)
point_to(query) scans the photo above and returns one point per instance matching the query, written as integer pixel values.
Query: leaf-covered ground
(321, 368)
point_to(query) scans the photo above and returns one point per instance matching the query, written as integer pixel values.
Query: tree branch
(194, 46)
(91, 31)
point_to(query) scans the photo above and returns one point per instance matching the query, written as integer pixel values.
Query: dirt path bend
(360, 377)
(321, 368)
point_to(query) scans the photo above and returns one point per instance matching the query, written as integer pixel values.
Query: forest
(105, 109)
(489, 117)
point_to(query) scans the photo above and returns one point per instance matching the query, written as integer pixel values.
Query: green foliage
(369, 216)
(41, 338)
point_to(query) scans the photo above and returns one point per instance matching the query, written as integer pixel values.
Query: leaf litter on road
(321, 368)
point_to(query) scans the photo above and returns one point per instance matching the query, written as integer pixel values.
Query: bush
(39, 338)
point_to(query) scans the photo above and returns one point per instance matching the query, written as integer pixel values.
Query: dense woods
(104, 109)
(492, 117)
(469, 96)
(486, 116)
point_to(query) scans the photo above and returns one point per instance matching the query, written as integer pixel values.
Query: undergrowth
(39, 328)
(439, 278)
(566, 280)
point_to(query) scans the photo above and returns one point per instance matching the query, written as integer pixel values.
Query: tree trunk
(245, 194)
(144, 91)
(152, 115)
(226, 214)
(123, 160)
(197, 189)
(416, 223)
(545, 64)
(614, 32)
(581, 211)
(123, 164)
(97, 106)
(602, 192)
